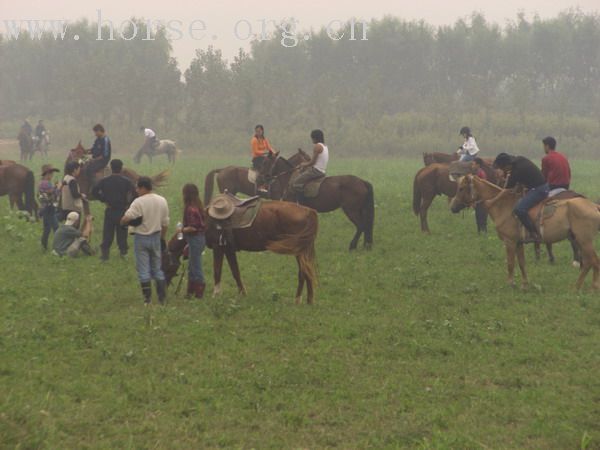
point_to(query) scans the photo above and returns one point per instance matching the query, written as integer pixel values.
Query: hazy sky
(220, 17)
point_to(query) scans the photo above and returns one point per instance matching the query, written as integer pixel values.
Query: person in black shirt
(520, 170)
(101, 153)
(117, 192)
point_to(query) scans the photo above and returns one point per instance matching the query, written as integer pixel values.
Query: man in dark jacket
(520, 170)
(117, 192)
(101, 153)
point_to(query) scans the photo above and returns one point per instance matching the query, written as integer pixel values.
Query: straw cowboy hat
(221, 208)
(47, 168)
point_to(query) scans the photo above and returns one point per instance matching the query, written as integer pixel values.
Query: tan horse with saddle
(558, 218)
(257, 225)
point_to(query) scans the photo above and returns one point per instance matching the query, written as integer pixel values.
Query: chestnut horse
(354, 195)
(433, 180)
(78, 153)
(281, 227)
(17, 181)
(576, 217)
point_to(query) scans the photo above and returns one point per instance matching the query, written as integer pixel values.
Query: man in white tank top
(316, 167)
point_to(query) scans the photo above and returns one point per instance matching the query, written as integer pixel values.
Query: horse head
(466, 196)
(428, 158)
(75, 154)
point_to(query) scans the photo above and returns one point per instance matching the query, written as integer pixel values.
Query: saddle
(546, 209)
(458, 169)
(231, 212)
(310, 189)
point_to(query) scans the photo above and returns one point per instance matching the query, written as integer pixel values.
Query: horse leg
(510, 262)
(217, 269)
(551, 258)
(301, 280)
(521, 259)
(355, 218)
(425, 204)
(589, 260)
(576, 250)
(235, 271)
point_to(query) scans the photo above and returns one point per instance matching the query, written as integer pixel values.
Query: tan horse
(577, 217)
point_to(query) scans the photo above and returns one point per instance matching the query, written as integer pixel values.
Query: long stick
(180, 279)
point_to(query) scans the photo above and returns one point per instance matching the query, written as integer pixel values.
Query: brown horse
(234, 179)
(433, 180)
(577, 217)
(354, 195)
(17, 181)
(280, 227)
(439, 158)
(78, 153)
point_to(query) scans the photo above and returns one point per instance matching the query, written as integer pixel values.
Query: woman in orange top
(260, 147)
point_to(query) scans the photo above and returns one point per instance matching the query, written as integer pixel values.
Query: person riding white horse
(151, 141)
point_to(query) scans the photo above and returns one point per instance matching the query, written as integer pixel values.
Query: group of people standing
(134, 209)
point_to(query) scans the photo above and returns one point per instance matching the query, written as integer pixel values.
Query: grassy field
(418, 343)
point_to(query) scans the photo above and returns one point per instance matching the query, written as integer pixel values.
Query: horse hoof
(298, 300)
(576, 264)
(217, 291)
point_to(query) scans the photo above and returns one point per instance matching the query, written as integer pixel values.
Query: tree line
(407, 88)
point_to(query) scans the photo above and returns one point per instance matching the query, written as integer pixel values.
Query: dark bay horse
(78, 153)
(25, 145)
(234, 179)
(280, 227)
(18, 182)
(354, 195)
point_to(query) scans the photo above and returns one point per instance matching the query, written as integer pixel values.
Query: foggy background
(513, 74)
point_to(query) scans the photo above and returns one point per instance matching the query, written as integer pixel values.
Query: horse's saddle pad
(252, 175)
(548, 207)
(459, 169)
(244, 213)
(311, 189)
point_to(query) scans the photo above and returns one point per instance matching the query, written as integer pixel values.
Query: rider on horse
(520, 170)
(100, 151)
(261, 149)
(151, 142)
(26, 127)
(40, 130)
(468, 151)
(315, 168)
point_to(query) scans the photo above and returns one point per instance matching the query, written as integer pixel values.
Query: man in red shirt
(555, 166)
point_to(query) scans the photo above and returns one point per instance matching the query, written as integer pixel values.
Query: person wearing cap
(101, 153)
(71, 198)
(69, 240)
(117, 192)
(149, 216)
(555, 166)
(469, 149)
(48, 196)
(520, 170)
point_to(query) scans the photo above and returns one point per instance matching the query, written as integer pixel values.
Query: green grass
(418, 343)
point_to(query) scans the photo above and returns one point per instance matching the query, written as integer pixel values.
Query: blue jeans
(466, 157)
(196, 245)
(147, 257)
(50, 221)
(531, 198)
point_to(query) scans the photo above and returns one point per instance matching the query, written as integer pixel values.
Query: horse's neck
(502, 208)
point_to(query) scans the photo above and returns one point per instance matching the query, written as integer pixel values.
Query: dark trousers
(50, 222)
(95, 166)
(481, 216)
(529, 200)
(112, 226)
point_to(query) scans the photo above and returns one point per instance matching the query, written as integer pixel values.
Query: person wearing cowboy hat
(48, 197)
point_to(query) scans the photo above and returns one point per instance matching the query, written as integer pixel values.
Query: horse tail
(301, 244)
(417, 195)
(209, 181)
(30, 204)
(369, 209)
(159, 179)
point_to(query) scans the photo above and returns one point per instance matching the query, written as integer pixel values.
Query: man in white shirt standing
(149, 215)
(151, 141)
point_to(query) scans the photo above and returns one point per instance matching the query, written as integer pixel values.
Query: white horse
(165, 146)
